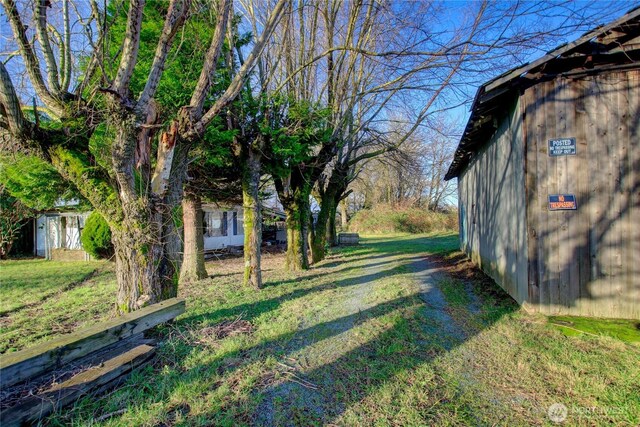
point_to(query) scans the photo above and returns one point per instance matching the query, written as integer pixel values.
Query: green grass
(30, 281)
(40, 299)
(352, 342)
(624, 330)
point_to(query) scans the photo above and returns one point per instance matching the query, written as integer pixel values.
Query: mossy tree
(105, 127)
(300, 150)
(374, 64)
(256, 120)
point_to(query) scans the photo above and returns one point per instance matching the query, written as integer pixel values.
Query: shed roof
(612, 46)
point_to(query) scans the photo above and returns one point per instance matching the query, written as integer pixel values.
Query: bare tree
(438, 145)
(415, 71)
(413, 173)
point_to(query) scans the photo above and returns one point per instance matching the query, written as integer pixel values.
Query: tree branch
(238, 81)
(176, 15)
(130, 48)
(43, 38)
(10, 104)
(370, 155)
(31, 61)
(210, 60)
(97, 57)
(66, 49)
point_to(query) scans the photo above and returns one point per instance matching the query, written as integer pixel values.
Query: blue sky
(454, 13)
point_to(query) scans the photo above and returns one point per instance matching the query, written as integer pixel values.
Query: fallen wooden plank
(34, 408)
(12, 395)
(21, 365)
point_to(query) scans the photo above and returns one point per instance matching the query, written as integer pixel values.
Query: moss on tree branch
(75, 167)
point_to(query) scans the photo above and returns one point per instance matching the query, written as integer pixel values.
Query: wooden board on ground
(37, 407)
(34, 361)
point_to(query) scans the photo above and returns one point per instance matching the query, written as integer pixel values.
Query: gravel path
(442, 327)
(315, 346)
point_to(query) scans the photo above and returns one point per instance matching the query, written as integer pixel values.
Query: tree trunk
(143, 272)
(172, 221)
(344, 220)
(332, 234)
(324, 223)
(311, 238)
(319, 241)
(252, 219)
(147, 232)
(193, 268)
(297, 223)
(5, 248)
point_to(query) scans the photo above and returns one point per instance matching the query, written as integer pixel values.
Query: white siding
(230, 239)
(40, 235)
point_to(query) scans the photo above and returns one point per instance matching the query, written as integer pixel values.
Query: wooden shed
(548, 175)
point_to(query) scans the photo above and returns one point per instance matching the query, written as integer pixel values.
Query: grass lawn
(40, 299)
(364, 338)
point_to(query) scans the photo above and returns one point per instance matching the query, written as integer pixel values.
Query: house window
(215, 224)
(240, 223)
(235, 223)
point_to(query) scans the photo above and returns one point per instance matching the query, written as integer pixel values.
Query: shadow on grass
(255, 309)
(351, 376)
(413, 333)
(342, 382)
(324, 273)
(424, 332)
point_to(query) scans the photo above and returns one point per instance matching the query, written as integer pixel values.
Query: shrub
(397, 219)
(96, 237)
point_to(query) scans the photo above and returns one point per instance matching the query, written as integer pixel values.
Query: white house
(223, 226)
(57, 235)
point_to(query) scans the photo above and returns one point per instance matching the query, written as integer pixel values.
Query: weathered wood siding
(585, 261)
(492, 207)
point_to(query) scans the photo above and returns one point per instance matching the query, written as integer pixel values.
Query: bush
(96, 237)
(397, 219)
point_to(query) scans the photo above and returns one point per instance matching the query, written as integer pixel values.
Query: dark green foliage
(12, 215)
(300, 129)
(96, 236)
(34, 182)
(185, 60)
